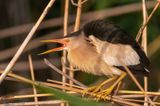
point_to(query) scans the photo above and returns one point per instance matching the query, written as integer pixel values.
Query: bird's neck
(83, 57)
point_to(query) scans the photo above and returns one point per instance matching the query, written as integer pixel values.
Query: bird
(101, 47)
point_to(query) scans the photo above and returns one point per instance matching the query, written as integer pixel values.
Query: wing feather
(107, 32)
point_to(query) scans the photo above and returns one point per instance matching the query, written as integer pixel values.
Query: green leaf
(72, 100)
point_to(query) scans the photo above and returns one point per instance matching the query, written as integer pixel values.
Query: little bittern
(102, 48)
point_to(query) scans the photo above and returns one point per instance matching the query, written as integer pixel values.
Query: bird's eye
(90, 42)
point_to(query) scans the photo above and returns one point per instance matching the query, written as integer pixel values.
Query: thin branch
(114, 99)
(138, 92)
(145, 89)
(33, 78)
(136, 82)
(78, 16)
(144, 33)
(24, 96)
(75, 4)
(48, 84)
(65, 29)
(26, 41)
(120, 91)
(148, 19)
(11, 79)
(62, 83)
(156, 97)
(76, 28)
(60, 72)
(144, 44)
(141, 101)
(53, 102)
(132, 95)
(118, 100)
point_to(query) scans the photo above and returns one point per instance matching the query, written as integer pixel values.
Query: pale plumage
(101, 44)
(115, 54)
(84, 56)
(100, 57)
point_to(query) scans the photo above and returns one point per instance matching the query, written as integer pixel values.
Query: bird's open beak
(63, 41)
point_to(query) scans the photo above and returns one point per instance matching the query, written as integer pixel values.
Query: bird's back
(106, 31)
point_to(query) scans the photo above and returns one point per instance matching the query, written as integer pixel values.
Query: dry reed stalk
(42, 103)
(133, 77)
(24, 96)
(138, 92)
(47, 95)
(120, 91)
(78, 16)
(75, 4)
(156, 97)
(148, 19)
(117, 100)
(144, 33)
(44, 95)
(63, 83)
(26, 41)
(124, 96)
(144, 44)
(11, 79)
(142, 101)
(65, 29)
(33, 78)
(121, 101)
(76, 27)
(145, 89)
(132, 96)
(137, 83)
(63, 74)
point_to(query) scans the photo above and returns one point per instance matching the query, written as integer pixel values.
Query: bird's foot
(106, 92)
(91, 91)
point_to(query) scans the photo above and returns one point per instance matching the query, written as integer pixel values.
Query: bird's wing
(121, 37)
(109, 32)
(116, 54)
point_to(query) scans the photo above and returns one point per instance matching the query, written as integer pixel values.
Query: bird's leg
(95, 89)
(117, 88)
(98, 88)
(110, 89)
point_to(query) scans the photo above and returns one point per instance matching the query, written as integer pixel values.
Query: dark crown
(100, 29)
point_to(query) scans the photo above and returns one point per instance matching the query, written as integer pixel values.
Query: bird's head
(67, 42)
(97, 28)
